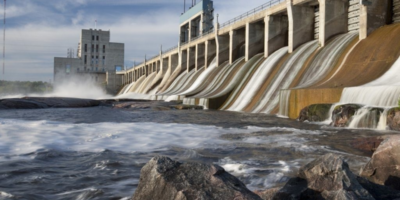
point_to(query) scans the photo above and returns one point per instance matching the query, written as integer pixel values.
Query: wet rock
(39, 102)
(368, 144)
(384, 166)
(393, 119)
(267, 194)
(163, 178)
(327, 177)
(187, 107)
(379, 192)
(315, 113)
(22, 104)
(342, 114)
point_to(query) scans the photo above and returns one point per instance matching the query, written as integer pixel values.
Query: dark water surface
(97, 153)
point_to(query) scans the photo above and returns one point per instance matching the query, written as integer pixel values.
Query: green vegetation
(24, 87)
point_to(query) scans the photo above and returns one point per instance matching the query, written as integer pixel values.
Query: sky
(39, 30)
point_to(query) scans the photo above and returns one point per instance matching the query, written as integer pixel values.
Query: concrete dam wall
(279, 59)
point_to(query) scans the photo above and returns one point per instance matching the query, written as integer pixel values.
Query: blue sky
(39, 30)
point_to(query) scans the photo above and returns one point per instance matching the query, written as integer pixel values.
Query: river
(97, 153)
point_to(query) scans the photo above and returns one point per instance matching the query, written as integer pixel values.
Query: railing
(202, 35)
(240, 17)
(251, 12)
(170, 49)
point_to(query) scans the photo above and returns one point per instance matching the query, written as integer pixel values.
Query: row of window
(97, 37)
(97, 48)
(95, 60)
(94, 69)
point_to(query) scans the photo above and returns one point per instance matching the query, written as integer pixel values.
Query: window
(92, 60)
(85, 59)
(77, 69)
(92, 47)
(85, 47)
(97, 60)
(68, 69)
(118, 68)
(97, 38)
(92, 37)
(97, 48)
(104, 60)
(104, 48)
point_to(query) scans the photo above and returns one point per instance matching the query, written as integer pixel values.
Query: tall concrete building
(97, 59)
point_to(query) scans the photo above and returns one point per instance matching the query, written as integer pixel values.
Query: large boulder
(315, 113)
(163, 178)
(384, 166)
(327, 177)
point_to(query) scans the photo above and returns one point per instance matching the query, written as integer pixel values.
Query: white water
(326, 59)
(21, 137)
(285, 77)
(200, 84)
(250, 65)
(255, 83)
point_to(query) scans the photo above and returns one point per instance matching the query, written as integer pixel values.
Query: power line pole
(4, 37)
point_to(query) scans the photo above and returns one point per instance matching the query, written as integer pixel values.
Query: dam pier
(292, 53)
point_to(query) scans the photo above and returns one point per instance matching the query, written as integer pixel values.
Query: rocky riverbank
(342, 115)
(327, 177)
(63, 102)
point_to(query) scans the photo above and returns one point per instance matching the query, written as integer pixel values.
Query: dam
(278, 58)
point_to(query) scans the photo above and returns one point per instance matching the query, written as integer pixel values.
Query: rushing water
(97, 153)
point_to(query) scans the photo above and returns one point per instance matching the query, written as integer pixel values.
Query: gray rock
(51, 102)
(163, 178)
(327, 177)
(384, 166)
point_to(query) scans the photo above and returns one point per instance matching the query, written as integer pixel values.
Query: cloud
(39, 30)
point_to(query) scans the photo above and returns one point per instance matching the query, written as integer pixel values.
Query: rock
(187, 107)
(163, 178)
(327, 177)
(342, 114)
(384, 166)
(315, 113)
(22, 104)
(368, 144)
(53, 102)
(267, 194)
(393, 119)
(379, 192)
(62, 102)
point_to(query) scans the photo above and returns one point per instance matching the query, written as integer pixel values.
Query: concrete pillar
(333, 19)
(301, 25)
(254, 40)
(374, 15)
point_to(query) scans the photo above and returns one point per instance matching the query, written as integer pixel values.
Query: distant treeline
(24, 87)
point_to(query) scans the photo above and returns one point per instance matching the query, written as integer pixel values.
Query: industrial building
(97, 59)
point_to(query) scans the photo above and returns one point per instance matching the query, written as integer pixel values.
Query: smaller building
(197, 20)
(97, 60)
